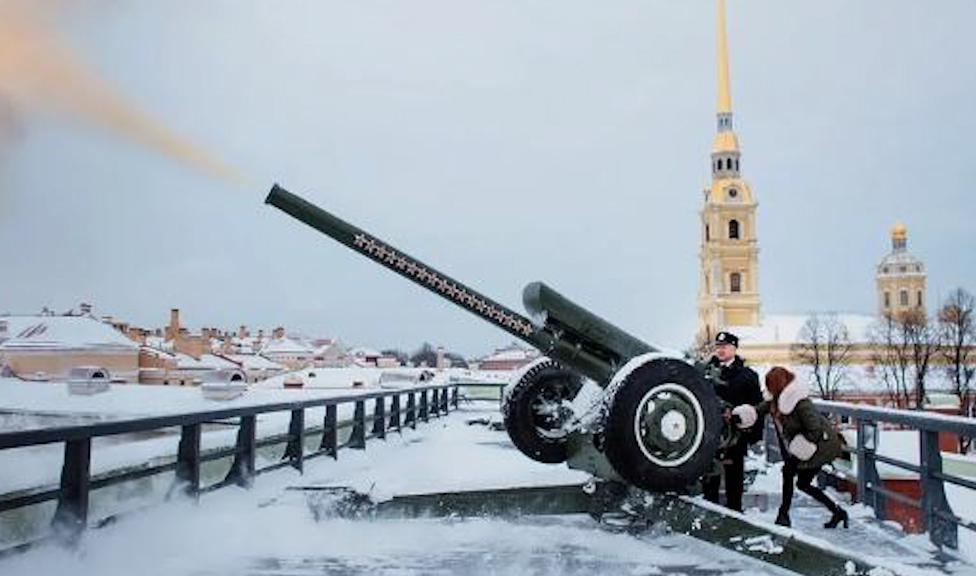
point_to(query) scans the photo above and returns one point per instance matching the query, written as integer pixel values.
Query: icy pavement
(271, 531)
(880, 543)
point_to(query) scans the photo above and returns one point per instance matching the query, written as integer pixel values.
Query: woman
(807, 440)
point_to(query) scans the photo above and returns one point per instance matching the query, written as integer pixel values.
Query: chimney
(279, 332)
(242, 332)
(227, 346)
(173, 330)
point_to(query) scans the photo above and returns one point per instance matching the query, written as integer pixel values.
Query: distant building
(510, 357)
(287, 351)
(205, 368)
(771, 342)
(329, 353)
(900, 278)
(47, 347)
(256, 367)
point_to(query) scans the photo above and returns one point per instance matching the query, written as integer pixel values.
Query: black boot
(838, 516)
(783, 518)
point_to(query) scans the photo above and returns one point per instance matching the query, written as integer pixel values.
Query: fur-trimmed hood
(791, 396)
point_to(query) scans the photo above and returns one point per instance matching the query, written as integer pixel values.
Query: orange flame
(38, 74)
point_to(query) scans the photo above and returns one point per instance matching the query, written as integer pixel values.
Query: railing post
(242, 470)
(868, 478)
(423, 406)
(395, 412)
(411, 410)
(295, 450)
(434, 405)
(357, 440)
(71, 516)
(445, 402)
(330, 432)
(454, 396)
(379, 418)
(942, 532)
(188, 461)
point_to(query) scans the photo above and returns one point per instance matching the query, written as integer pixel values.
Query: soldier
(739, 385)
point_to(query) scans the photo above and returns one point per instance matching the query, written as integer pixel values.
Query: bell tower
(728, 292)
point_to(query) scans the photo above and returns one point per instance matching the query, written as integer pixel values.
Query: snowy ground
(270, 530)
(882, 543)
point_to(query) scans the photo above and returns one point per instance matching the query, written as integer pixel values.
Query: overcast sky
(502, 142)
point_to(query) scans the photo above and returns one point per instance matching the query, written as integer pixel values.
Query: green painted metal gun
(659, 425)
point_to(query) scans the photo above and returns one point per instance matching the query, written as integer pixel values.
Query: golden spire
(724, 94)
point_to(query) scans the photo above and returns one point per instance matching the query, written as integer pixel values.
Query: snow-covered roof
(63, 333)
(511, 354)
(364, 352)
(323, 347)
(206, 362)
(159, 343)
(255, 362)
(285, 346)
(157, 352)
(785, 328)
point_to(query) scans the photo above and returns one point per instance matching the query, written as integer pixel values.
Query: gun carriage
(657, 424)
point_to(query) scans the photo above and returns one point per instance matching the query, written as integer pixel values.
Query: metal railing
(499, 388)
(71, 517)
(937, 516)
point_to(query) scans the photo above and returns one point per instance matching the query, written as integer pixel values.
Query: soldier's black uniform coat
(740, 385)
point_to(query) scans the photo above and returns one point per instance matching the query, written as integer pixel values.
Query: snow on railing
(71, 517)
(936, 515)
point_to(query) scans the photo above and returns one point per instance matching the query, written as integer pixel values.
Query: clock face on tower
(733, 193)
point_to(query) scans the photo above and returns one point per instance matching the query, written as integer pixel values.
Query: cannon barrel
(564, 331)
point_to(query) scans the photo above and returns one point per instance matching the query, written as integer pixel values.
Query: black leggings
(804, 481)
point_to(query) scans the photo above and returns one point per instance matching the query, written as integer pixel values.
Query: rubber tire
(622, 449)
(518, 416)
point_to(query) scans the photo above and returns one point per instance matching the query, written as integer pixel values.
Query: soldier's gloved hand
(746, 416)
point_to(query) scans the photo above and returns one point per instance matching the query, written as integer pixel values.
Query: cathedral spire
(725, 149)
(728, 293)
(724, 92)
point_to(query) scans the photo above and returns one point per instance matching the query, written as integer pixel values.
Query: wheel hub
(549, 412)
(669, 424)
(674, 425)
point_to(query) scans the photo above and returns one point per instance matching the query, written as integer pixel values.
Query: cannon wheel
(535, 411)
(663, 425)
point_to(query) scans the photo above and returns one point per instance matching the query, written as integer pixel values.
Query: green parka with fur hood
(804, 433)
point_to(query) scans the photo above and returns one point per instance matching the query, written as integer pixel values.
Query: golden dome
(898, 231)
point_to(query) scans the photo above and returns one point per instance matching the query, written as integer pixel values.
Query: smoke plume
(40, 76)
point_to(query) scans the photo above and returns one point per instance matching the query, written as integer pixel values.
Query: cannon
(657, 422)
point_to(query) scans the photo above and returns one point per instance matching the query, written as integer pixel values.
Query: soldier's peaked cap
(727, 338)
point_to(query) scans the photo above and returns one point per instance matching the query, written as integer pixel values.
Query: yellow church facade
(729, 295)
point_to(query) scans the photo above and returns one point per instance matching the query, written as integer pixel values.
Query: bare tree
(890, 355)
(957, 329)
(923, 339)
(904, 345)
(824, 344)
